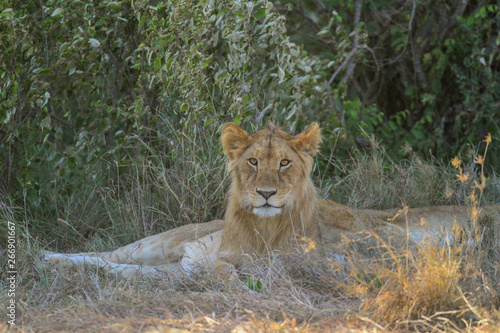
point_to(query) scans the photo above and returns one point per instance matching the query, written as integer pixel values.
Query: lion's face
(270, 168)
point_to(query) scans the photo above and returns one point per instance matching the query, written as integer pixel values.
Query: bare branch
(357, 14)
(462, 4)
(407, 35)
(417, 65)
(357, 18)
(342, 65)
(459, 10)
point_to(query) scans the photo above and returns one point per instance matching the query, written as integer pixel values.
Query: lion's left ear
(234, 140)
(308, 141)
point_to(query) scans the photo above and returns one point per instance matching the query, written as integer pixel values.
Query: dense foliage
(87, 86)
(81, 79)
(423, 72)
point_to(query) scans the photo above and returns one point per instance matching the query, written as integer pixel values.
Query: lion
(272, 205)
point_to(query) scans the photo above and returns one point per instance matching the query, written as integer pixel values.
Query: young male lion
(273, 204)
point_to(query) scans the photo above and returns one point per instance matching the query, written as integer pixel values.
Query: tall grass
(139, 189)
(435, 286)
(160, 190)
(371, 179)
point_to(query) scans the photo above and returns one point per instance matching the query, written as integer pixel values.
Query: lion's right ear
(234, 140)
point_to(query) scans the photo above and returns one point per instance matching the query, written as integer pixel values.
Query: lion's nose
(266, 193)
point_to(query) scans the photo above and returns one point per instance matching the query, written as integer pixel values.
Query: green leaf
(258, 286)
(94, 43)
(260, 13)
(157, 64)
(246, 99)
(252, 285)
(57, 11)
(237, 120)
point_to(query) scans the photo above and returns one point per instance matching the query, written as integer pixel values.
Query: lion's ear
(234, 140)
(308, 141)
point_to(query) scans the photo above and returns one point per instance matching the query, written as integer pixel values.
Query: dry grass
(449, 285)
(299, 292)
(433, 287)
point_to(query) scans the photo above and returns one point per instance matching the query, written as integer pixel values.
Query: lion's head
(270, 168)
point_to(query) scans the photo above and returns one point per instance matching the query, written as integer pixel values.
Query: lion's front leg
(150, 251)
(81, 260)
(181, 248)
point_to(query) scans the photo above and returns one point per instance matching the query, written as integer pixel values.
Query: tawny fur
(293, 214)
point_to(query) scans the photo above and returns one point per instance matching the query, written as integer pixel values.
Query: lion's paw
(225, 270)
(49, 259)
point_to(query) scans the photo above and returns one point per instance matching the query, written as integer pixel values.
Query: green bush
(82, 78)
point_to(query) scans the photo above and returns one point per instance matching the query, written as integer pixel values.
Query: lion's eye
(253, 161)
(284, 163)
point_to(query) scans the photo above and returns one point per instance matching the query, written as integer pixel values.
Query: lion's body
(273, 205)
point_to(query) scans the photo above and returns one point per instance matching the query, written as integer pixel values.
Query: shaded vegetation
(422, 72)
